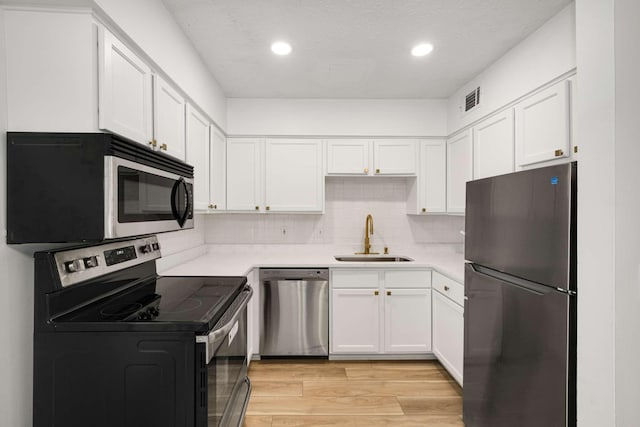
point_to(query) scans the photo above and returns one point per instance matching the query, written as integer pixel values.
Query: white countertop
(239, 260)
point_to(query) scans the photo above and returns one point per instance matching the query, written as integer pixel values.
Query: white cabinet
(493, 146)
(294, 181)
(135, 104)
(542, 124)
(448, 324)
(407, 322)
(168, 118)
(217, 170)
(356, 320)
(198, 156)
(244, 174)
(459, 170)
(428, 193)
(395, 157)
(348, 157)
(378, 157)
(125, 90)
(277, 175)
(380, 311)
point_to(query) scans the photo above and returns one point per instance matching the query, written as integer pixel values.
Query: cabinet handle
(575, 149)
(446, 288)
(215, 206)
(366, 170)
(210, 206)
(388, 292)
(559, 153)
(267, 208)
(257, 208)
(377, 170)
(424, 210)
(376, 293)
(153, 143)
(163, 147)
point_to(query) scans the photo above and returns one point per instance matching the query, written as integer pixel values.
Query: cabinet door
(198, 156)
(217, 170)
(395, 157)
(124, 90)
(293, 175)
(432, 180)
(244, 174)
(407, 320)
(543, 125)
(448, 334)
(347, 157)
(355, 320)
(168, 118)
(493, 147)
(459, 170)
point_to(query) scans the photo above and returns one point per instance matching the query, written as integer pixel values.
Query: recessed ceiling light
(422, 49)
(281, 48)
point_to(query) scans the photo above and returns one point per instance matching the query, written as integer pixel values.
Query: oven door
(140, 199)
(224, 387)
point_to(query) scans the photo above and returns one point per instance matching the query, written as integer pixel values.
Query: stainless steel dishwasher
(294, 312)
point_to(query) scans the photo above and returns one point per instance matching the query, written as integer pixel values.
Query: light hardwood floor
(352, 393)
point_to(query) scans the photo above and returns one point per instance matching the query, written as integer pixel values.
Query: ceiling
(354, 48)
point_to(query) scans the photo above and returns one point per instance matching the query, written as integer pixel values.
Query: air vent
(472, 99)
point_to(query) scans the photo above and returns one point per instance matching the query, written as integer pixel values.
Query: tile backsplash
(347, 203)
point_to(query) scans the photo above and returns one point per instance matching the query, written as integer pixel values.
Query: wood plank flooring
(314, 393)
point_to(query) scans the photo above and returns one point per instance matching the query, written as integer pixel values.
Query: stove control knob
(73, 266)
(146, 248)
(144, 316)
(90, 262)
(153, 311)
(156, 246)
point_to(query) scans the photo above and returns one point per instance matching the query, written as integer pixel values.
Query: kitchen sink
(372, 258)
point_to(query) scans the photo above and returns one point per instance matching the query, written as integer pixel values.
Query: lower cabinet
(380, 311)
(448, 324)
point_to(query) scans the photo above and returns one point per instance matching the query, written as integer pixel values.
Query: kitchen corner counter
(239, 260)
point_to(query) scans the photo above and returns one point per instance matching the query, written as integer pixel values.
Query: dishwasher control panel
(294, 273)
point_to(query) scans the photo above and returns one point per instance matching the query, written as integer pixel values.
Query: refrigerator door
(515, 353)
(521, 224)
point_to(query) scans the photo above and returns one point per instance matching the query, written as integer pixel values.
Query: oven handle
(225, 324)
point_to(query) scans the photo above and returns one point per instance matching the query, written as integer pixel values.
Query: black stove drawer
(114, 379)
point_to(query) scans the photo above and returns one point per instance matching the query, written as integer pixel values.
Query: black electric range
(117, 344)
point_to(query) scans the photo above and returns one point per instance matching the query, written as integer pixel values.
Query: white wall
(347, 203)
(546, 54)
(597, 281)
(367, 117)
(627, 206)
(150, 25)
(16, 296)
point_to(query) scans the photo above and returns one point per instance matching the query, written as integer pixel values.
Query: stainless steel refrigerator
(520, 299)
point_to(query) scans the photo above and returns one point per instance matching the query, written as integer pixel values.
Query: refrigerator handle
(525, 285)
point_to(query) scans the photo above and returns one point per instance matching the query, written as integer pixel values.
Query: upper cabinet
(124, 90)
(198, 156)
(395, 157)
(348, 157)
(244, 174)
(493, 150)
(379, 157)
(134, 104)
(217, 170)
(168, 118)
(428, 193)
(276, 175)
(294, 181)
(459, 170)
(543, 125)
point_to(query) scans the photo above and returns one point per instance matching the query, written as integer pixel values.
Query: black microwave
(84, 187)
